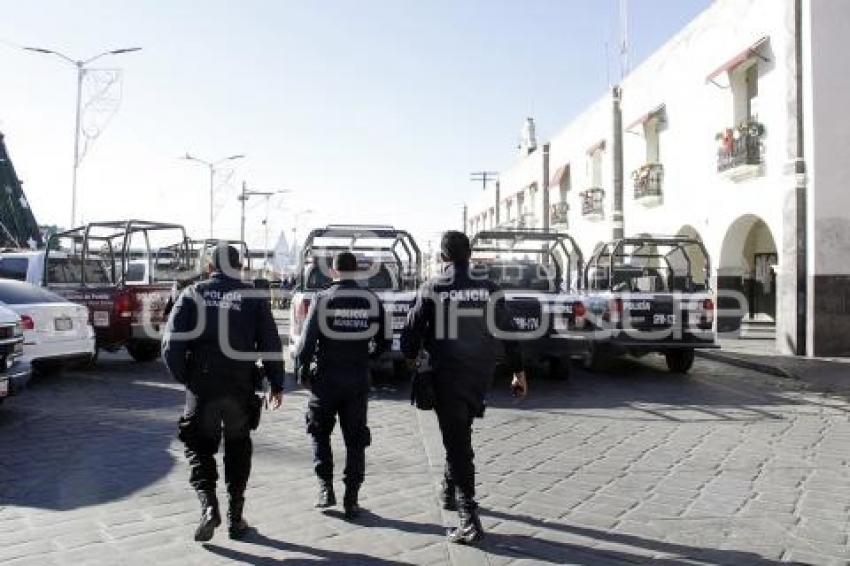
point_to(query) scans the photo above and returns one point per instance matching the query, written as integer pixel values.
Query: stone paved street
(725, 466)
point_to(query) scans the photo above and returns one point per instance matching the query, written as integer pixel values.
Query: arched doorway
(699, 273)
(748, 260)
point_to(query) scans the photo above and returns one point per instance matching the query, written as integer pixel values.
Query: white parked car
(14, 373)
(56, 331)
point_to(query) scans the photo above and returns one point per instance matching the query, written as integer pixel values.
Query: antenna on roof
(624, 38)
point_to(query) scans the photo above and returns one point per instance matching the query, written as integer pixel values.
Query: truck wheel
(143, 351)
(679, 361)
(591, 359)
(400, 371)
(558, 370)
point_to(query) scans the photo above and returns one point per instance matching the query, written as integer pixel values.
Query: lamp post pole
(211, 165)
(80, 65)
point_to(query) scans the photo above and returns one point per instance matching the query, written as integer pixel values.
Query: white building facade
(733, 132)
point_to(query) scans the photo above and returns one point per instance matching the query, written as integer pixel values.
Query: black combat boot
(210, 517)
(237, 527)
(349, 501)
(448, 496)
(326, 497)
(469, 529)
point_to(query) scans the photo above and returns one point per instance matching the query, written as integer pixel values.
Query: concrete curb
(742, 362)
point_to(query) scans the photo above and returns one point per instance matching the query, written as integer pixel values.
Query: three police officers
(456, 317)
(342, 323)
(214, 337)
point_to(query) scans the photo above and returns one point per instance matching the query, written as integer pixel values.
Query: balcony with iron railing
(648, 180)
(558, 214)
(593, 203)
(740, 154)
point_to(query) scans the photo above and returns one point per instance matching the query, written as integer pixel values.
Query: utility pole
(80, 65)
(243, 197)
(617, 159)
(546, 188)
(465, 211)
(483, 177)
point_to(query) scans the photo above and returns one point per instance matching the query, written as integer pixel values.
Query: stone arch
(699, 269)
(747, 262)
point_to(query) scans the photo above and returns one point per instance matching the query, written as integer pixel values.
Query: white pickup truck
(649, 294)
(394, 265)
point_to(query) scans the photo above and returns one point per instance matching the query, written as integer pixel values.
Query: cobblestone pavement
(635, 465)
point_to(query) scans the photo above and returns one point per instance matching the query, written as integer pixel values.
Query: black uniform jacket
(212, 317)
(449, 318)
(341, 323)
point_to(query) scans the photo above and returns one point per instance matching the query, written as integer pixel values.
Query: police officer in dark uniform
(340, 326)
(450, 319)
(212, 343)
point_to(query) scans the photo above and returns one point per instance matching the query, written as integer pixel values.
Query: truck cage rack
(122, 229)
(396, 239)
(556, 239)
(615, 249)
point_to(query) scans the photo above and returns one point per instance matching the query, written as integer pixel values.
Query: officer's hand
(273, 401)
(519, 386)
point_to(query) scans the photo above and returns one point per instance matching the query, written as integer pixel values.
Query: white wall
(827, 135)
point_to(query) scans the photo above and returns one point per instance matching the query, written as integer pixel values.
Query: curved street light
(80, 64)
(211, 165)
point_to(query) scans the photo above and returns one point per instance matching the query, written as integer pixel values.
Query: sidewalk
(831, 375)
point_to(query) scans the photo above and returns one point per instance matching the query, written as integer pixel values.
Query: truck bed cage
(122, 229)
(553, 240)
(615, 249)
(395, 239)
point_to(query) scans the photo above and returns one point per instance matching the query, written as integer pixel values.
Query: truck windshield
(518, 275)
(70, 270)
(379, 279)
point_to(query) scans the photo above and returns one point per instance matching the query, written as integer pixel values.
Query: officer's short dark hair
(225, 258)
(345, 262)
(455, 247)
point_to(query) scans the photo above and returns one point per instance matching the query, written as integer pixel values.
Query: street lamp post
(295, 220)
(80, 65)
(246, 194)
(211, 165)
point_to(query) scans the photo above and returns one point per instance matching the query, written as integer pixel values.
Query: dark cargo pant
(455, 415)
(201, 427)
(326, 402)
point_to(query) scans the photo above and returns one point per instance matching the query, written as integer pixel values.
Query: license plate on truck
(4, 387)
(100, 319)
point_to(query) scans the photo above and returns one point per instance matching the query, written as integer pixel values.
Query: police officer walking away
(214, 337)
(449, 319)
(339, 328)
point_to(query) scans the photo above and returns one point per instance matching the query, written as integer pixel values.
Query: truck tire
(558, 370)
(400, 371)
(143, 351)
(591, 360)
(679, 361)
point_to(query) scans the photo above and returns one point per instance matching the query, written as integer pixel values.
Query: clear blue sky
(371, 111)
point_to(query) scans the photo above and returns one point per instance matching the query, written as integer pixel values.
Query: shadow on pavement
(711, 393)
(318, 555)
(83, 438)
(539, 548)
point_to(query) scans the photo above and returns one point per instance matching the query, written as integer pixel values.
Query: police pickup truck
(649, 294)
(538, 273)
(123, 271)
(391, 266)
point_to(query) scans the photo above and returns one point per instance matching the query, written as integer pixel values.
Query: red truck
(124, 272)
